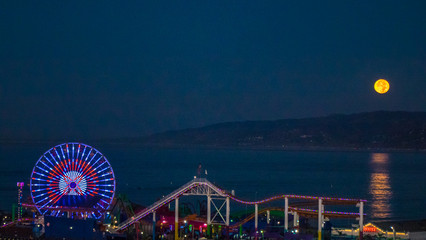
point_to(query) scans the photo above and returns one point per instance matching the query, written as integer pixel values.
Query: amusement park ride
(72, 178)
(76, 181)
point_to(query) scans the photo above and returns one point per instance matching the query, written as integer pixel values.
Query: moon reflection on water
(380, 189)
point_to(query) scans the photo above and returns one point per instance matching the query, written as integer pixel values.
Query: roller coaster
(203, 187)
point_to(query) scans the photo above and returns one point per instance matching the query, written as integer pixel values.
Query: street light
(394, 233)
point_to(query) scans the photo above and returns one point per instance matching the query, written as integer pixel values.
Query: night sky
(124, 69)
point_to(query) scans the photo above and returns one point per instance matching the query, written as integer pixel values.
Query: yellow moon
(381, 86)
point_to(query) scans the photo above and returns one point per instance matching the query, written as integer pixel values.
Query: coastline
(215, 147)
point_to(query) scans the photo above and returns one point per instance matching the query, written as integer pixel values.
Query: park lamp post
(394, 233)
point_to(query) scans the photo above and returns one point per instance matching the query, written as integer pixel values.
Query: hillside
(389, 130)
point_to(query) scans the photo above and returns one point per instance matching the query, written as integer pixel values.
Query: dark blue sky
(110, 69)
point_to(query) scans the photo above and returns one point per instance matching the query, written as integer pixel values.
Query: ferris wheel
(72, 177)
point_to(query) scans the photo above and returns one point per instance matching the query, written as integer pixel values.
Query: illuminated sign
(370, 229)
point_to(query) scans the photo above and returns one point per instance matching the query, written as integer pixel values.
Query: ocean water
(394, 184)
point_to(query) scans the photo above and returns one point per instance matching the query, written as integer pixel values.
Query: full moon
(381, 86)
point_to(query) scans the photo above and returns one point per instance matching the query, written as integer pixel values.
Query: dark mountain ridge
(377, 130)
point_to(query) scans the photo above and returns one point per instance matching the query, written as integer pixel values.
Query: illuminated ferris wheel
(72, 177)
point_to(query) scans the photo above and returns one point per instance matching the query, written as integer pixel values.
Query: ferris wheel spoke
(94, 164)
(38, 190)
(72, 165)
(54, 159)
(78, 151)
(41, 174)
(41, 200)
(39, 179)
(64, 165)
(79, 165)
(67, 165)
(100, 166)
(42, 169)
(57, 154)
(104, 190)
(72, 153)
(68, 151)
(93, 157)
(86, 168)
(100, 171)
(90, 192)
(57, 170)
(100, 205)
(53, 177)
(42, 162)
(48, 160)
(78, 162)
(90, 173)
(43, 194)
(75, 165)
(104, 195)
(62, 151)
(90, 189)
(88, 154)
(40, 184)
(105, 180)
(55, 199)
(106, 174)
(84, 151)
(105, 185)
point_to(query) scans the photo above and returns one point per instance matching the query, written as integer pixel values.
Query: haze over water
(391, 182)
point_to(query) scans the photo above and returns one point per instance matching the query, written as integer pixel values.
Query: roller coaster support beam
(228, 210)
(295, 219)
(268, 217)
(154, 221)
(319, 218)
(286, 215)
(361, 219)
(177, 219)
(256, 213)
(209, 214)
(228, 213)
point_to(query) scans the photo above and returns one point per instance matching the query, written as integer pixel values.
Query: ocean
(392, 183)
